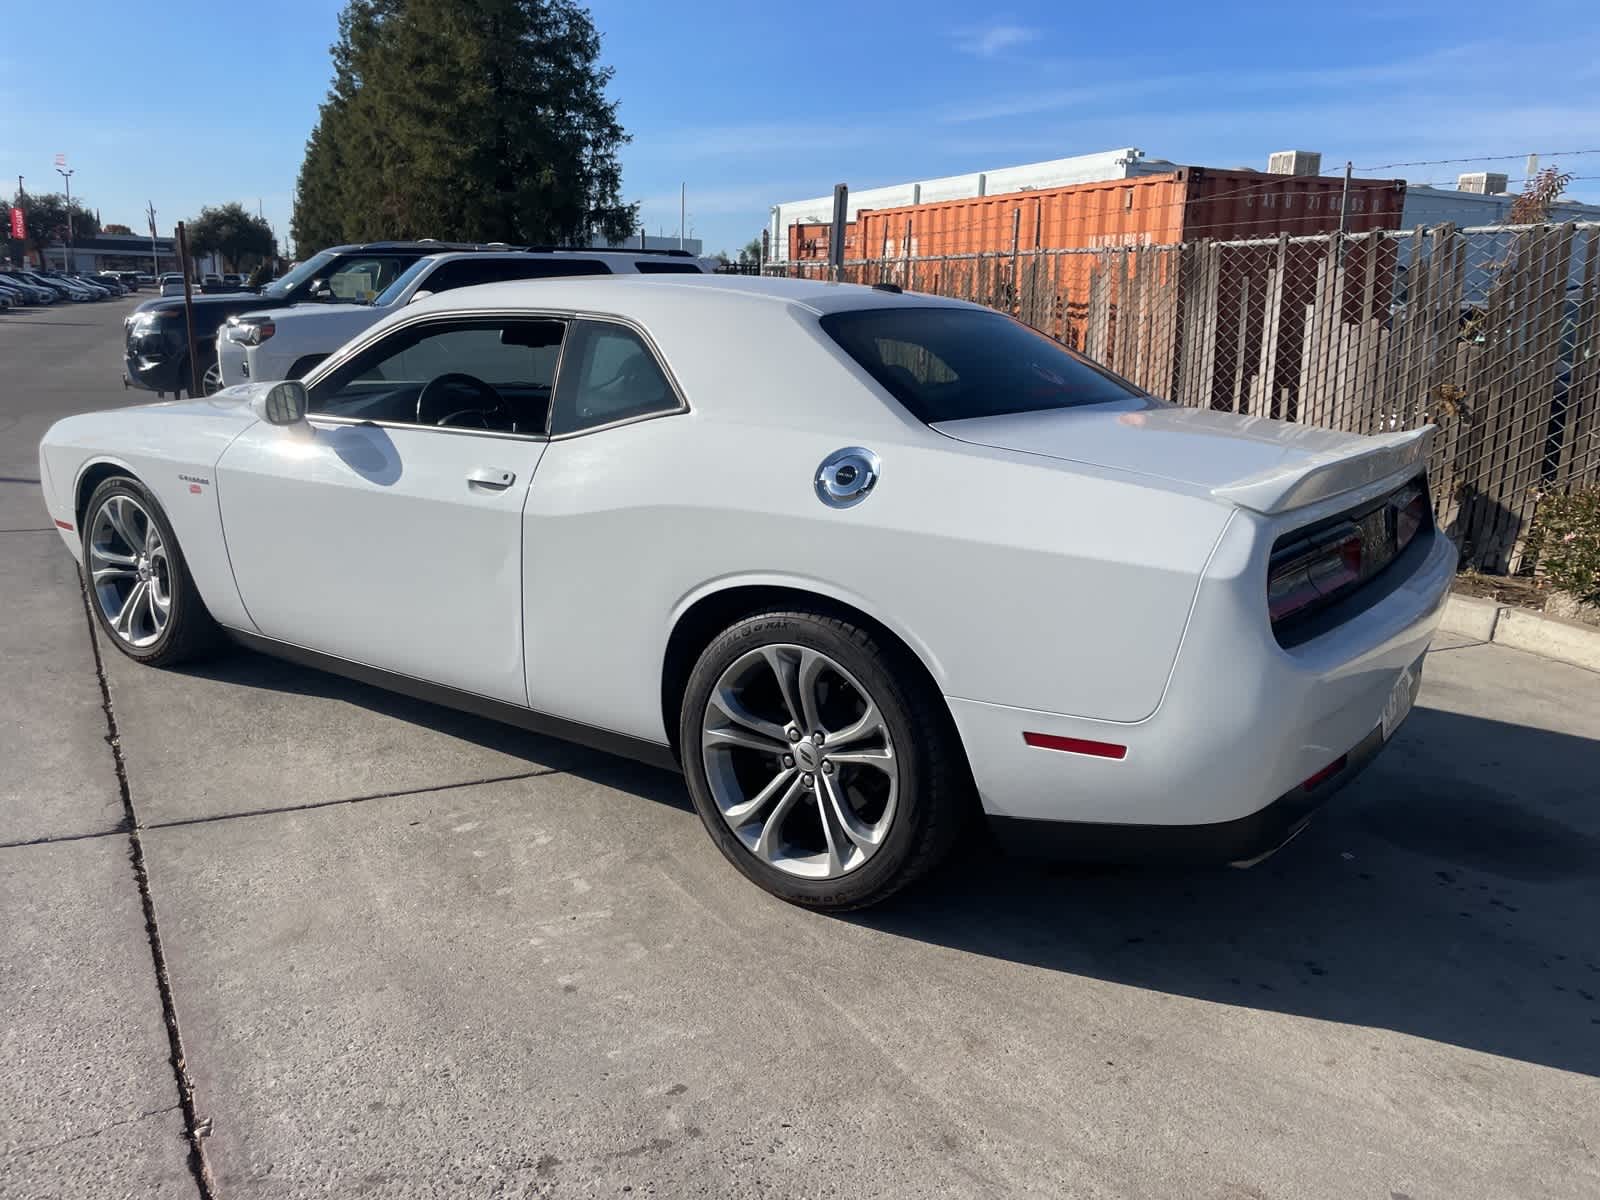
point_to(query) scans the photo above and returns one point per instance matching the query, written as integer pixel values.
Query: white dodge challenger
(863, 565)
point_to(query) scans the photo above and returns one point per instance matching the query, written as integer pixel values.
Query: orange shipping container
(809, 242)
(1153, 210)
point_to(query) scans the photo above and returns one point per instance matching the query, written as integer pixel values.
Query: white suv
(285, 343)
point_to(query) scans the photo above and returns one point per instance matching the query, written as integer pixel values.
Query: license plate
(1398, 706)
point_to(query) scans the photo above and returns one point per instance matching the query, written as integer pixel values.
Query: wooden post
(188, 310)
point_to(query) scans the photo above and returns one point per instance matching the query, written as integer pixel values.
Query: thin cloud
(994, 39)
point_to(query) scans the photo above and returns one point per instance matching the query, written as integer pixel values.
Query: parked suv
(285, 343)
(156, 354)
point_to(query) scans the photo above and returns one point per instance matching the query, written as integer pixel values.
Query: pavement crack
(53, 838)
(24, 1151)
(280, 809)
(1463, 646)
(195, 1129)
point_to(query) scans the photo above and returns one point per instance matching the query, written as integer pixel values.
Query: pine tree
(470, 120)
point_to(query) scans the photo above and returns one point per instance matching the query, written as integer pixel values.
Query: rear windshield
(948, 364)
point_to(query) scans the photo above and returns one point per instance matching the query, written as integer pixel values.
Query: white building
(1429, 206)
(1126, 163)
(1466, 206)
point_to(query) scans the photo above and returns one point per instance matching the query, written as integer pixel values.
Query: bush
(1566, 542)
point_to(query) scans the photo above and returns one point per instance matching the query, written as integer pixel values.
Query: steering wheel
(449, 389)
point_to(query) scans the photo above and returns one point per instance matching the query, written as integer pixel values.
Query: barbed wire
(1477, 158)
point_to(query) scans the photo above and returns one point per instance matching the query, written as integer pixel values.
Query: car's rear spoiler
(1330, 473)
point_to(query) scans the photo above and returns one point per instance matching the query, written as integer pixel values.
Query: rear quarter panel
(171, 449)
(1016, 580)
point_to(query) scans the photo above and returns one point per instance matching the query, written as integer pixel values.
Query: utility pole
(1344, 204)
(1344, 209)
(683, 208)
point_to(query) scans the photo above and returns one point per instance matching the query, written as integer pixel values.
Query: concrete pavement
(412, 953)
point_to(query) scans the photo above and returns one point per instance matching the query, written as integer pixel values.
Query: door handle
(491, 479)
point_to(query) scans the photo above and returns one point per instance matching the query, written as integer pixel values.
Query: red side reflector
(194, 489)
(67, 525)
(1327, 772)
(1072, 745)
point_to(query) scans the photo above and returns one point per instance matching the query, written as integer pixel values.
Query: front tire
(822, 762)
(139, 585)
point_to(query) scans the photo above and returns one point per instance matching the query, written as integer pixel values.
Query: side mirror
(282, 404)
(419, 294)
(321, 291)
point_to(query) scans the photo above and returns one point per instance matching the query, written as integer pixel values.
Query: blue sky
(755, 103)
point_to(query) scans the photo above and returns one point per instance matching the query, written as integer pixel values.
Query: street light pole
(155, 263)
(66, 264)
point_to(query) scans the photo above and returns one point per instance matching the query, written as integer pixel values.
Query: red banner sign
(19, 227)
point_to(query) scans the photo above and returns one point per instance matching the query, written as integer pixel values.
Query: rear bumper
(1241, 841)
(1243, 722)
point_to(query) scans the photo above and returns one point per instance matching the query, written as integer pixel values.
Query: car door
(387, 531)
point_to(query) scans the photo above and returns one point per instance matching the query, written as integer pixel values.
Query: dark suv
(157, 350)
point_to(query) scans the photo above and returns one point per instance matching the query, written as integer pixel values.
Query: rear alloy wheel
(139, 585)
(820, 764)
(211, 381)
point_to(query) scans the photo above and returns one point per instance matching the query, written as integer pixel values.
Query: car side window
(358, 280)
(608, 374)
(481, 373)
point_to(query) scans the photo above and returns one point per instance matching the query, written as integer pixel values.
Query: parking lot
(409, 952)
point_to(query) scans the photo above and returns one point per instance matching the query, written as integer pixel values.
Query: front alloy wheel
(130, 571)
(138, 583)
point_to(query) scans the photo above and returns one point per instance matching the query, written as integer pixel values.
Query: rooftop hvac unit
(1294, 162)
(1485, 183)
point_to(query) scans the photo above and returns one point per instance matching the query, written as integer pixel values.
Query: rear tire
(822, 763)
(139, 585)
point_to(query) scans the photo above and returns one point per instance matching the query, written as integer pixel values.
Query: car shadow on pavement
(1451, 893)
(247, 669)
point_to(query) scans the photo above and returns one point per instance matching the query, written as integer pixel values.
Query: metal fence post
(1016, 234)
(841, 206)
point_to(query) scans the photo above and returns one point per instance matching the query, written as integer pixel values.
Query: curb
(1506, 625)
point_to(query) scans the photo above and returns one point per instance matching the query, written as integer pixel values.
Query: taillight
(1310, 572)
(1410, 515)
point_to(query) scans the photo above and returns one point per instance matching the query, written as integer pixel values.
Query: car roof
(637, 295)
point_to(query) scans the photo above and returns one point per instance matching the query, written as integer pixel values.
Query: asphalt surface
(412, 953)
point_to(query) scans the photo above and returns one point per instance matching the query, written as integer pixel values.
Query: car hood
(213, 307)
(1255, 462)
(342, 316)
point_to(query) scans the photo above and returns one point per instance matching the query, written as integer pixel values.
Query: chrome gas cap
(847, 476)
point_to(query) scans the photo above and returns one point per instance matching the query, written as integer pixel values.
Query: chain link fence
(1492, 334)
